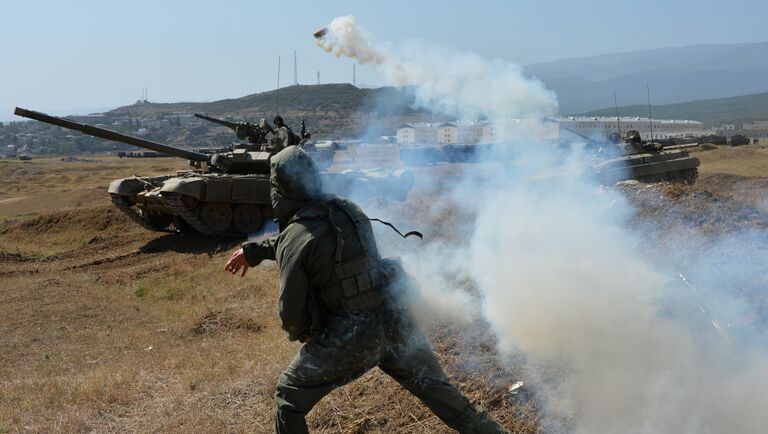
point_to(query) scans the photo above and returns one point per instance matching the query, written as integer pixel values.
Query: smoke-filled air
(445, 81)
(616, 333)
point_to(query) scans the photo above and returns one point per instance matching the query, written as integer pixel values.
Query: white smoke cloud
(562, 278)
(564, 281)
(447, 82)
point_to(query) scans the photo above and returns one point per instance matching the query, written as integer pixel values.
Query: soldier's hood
(295, 183)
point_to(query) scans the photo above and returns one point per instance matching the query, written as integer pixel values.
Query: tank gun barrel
(683, 146)
(228, 124)
(580, 135)
(104, 133)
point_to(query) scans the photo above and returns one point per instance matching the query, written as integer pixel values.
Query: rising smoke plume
(564, 279)
(445, 81)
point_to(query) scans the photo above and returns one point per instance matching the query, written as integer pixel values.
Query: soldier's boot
(477, 420)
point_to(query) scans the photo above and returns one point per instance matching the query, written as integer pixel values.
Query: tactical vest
(357, 282)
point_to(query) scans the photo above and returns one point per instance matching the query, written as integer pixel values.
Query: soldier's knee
(285, 396)
(293, 399)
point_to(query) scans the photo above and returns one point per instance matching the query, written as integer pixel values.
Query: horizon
(72, 58)
(64, 113)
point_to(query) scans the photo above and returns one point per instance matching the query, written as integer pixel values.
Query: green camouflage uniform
(338, 296)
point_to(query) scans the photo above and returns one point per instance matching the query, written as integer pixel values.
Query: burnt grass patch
(219, 321)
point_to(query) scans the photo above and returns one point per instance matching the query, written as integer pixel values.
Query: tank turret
(254, 133)
(225, 193)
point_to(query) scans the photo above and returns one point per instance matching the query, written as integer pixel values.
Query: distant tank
(225, 193)
(431, 155)
(633, 158)
(738, 140)
(421, 155)
(715, 139)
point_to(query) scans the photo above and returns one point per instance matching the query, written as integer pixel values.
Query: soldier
(286, 137)
(339, 297)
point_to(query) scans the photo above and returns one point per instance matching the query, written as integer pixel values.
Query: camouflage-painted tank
(633, 158)
(256, 134)
(224, 193)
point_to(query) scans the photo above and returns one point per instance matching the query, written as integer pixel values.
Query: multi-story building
(460, 132)
(559, 128)
(600, 127)
(755, 130)
(422, 132)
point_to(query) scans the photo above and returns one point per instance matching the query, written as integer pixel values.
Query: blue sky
(71, 56)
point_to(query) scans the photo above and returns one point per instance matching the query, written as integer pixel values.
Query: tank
(421, 155)
(738, 140)
(633, 158)
(256, 134)
(223, 193)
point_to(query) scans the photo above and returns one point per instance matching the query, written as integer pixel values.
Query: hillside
(710, 111)
(336, 109)
(675, 75)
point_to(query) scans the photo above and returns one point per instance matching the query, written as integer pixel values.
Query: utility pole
(354, 79)
(318, 78)
(618, 120)
(295, 70)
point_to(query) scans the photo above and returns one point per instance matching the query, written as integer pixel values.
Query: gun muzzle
(320, 33)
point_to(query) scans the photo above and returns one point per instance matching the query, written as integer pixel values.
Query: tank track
(181, 210)
(686, 176)
(120, 203)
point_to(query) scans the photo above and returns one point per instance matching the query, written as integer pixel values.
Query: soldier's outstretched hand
(236, 262)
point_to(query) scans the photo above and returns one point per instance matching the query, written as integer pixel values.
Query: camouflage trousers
(354, 343)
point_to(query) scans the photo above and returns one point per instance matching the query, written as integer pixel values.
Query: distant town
(348, 117)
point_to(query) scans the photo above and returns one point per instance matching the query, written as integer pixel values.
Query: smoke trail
(447, 82)
(563, 278)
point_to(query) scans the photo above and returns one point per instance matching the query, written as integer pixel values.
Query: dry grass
(109, 328)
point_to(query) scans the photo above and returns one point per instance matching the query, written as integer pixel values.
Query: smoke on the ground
(559, 276)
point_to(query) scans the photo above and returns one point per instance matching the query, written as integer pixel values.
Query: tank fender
(126, 186)
(193, 187)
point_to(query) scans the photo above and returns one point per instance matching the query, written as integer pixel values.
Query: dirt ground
(106, 327)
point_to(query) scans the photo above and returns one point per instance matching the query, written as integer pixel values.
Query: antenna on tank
(277, 91)
(618, 120)
(650, 119)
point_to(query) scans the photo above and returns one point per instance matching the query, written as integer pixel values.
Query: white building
(600, 127)
(422, 132)
(559, 128)
(460, 132)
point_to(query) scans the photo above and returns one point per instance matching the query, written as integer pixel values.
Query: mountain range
(711, 111)
(674, 75)
(710, 83)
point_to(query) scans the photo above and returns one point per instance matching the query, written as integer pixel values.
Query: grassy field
(106, 327)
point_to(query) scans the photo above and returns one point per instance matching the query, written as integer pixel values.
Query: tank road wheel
(246, 218)
(217, 215)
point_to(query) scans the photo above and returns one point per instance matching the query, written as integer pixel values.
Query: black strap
(408, 234)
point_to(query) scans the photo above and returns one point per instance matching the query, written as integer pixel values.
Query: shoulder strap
(407, 234)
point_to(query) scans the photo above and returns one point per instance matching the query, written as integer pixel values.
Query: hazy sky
(78, 55)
